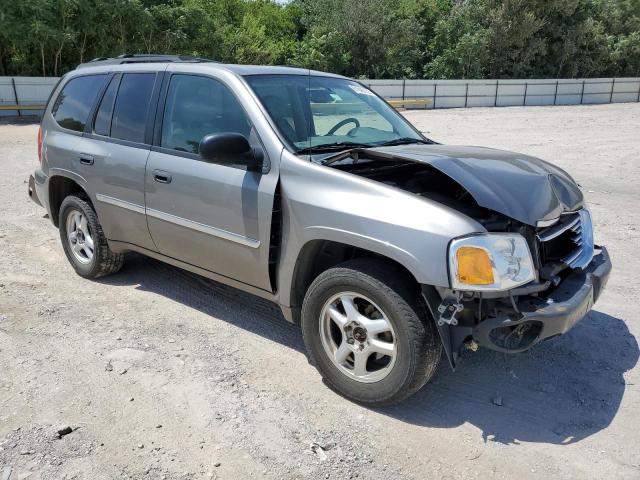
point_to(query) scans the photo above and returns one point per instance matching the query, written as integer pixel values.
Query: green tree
(358, 38)
(375, 37)
(618, 27)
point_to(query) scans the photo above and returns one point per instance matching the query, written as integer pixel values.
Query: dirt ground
(161, 374)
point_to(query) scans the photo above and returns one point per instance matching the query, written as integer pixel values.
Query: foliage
(358, 38)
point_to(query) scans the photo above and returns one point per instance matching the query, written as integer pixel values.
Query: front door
(215, 217)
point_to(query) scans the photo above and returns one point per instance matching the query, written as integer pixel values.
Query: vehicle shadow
(238, 308)
(560, 392)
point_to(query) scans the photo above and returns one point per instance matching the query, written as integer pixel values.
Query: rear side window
(72, 107)
(102, 124)
(132, 106)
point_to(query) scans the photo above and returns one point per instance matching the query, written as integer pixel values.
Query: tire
(102, 260)
(381, 292)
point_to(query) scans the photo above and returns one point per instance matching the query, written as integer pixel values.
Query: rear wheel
(84, 242)
(368, 332)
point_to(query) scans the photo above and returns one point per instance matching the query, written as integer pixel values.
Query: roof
(206, 63)
(273, 70)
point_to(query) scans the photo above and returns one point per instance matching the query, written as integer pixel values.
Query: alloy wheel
(358, 337)
(79, 237)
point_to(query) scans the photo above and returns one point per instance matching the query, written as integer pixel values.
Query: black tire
(396, 293)
(104, 261)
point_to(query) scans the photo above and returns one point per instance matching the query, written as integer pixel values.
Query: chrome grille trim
(582, 229)
(558, 229)
(586, 245)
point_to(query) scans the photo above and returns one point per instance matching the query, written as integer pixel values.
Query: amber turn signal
(474, 266)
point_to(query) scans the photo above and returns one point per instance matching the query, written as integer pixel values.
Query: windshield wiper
(340, 146)
(332, 147)
(402, 141)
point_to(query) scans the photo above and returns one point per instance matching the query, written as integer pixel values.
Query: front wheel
(368, 332)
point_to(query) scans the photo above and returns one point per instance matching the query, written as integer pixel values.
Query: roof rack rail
(143, 58)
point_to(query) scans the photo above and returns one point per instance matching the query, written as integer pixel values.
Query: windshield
(316, 113)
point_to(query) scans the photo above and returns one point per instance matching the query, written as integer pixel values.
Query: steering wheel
(341, 123)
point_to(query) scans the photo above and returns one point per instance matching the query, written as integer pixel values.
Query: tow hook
(448, 310)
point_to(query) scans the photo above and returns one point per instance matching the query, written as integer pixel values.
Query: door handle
(86, 159)
(161, 176)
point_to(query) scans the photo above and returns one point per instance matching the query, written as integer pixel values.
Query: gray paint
(219, 227)
(232, 207)
(321, 203)
(216, 220)
(118, 173)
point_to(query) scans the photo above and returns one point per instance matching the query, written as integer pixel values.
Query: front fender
(322, 203)
(366, 242)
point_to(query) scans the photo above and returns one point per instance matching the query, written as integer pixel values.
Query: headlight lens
(490, 262)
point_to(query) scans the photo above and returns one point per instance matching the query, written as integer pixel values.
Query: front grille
(569, 242)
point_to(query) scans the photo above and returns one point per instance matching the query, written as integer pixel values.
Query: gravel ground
(162, 374)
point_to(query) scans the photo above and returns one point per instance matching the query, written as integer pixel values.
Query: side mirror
(230, 148)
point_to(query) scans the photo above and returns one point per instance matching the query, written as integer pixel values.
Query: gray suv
(308, 189)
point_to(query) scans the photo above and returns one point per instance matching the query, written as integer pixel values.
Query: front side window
(132, 106)
(317, 112)
(197, 106)
(72, 107)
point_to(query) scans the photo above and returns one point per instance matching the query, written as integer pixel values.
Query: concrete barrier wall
(505, 93)
(25, 91)
(442, 93)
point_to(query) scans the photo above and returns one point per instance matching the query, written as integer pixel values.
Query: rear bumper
(33, 193)
(540, 318)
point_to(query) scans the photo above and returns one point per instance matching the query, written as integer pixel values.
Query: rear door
(115, 162)
(64, 126)
(216, 217)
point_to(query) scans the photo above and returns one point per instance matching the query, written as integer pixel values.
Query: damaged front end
(516, 320)
(542, 270)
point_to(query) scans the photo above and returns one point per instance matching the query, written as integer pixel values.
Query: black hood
(524, 188)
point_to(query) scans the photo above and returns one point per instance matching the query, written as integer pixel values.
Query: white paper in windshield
(360, 90)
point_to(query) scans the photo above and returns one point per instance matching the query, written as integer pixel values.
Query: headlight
(490, 262)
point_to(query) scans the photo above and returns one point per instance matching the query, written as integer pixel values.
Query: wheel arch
(60, 187)
(319, 255)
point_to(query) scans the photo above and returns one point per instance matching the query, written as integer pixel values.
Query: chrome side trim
(120, 203)
(200, 227)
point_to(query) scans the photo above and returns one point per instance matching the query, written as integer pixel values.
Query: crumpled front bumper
(549, 315)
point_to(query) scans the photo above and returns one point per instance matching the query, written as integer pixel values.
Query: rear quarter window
(102, 123)
(73, 105)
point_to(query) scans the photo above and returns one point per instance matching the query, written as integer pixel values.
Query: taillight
(40, 144)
